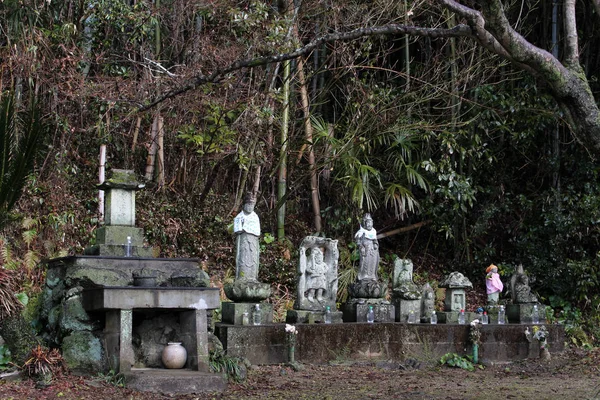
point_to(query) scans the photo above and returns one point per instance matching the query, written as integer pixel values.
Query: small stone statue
(493, 284)
(427, 303)
(367, 284)
(317, 274)
(246, 228)
(403, 286)
(520, 291)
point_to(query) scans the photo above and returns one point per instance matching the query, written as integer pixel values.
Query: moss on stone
(83, 352)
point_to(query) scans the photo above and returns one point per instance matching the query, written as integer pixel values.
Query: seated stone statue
(367, 284)
(520, 291)
(317, 274)
(403, 285)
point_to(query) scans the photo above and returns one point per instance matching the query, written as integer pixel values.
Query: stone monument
(427, 303)
(317, 282)
(455, 301)
(368, 291)
(523, 300)
(246, 291)
(406, 294)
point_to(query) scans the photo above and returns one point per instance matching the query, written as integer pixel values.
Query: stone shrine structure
(246, 291)
(406, 294)
(367, 291)
(523, 300)
(317, 281)
(103, 318)
(455, 301)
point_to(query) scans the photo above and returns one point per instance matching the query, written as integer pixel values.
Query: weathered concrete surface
(174, 381)
(232, 313)
(318, 343)
(107, 298)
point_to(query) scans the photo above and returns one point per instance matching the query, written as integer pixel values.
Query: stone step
(174, 381)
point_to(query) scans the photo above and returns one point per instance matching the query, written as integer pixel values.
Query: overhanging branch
(391, 29)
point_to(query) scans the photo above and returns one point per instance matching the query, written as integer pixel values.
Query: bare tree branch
(392, 29)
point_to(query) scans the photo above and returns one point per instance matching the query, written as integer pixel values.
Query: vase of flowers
(290, 336)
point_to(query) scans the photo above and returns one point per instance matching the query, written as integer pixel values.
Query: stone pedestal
(356, 310)
(311, 317)
(451, 317)
(521, 313)
(403, 308)
(232, 313)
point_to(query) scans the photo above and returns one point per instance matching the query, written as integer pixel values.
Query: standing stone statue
(493, 284)
(317, 274)
(246, 228)
(367, 294)
(366, 239)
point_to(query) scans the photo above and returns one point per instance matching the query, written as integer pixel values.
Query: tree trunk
(282, 176)
(151, 159)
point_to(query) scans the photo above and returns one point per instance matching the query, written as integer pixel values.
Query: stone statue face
(368, 223)
(318, 256)
(248, 207)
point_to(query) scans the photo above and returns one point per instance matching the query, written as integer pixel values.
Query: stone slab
(260, 344)
(357, 312)
(118, 250)
(111, 298)
(117, 235)
(403, 308)
(521, 313)
(174, 381)
(451, 317)
(312, 317)
(232, 313)
(318, 343)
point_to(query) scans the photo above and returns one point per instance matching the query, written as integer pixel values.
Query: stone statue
(427, 303)
(520, 291)
(366, 240)
(403, 285)
(367, 284)
(246, 228)
(317, 274)
(493, 284)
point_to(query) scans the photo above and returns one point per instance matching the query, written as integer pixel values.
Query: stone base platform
(174, 381)
(320, 343)
(232, 313)
(403, 308)
(521, 313)
(312, 317)
(451, 317)
(357, 311)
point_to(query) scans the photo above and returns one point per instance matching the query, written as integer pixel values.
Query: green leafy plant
(456, 361)
(113, 378)
(9, 303)
(232, 366)
(5, 359)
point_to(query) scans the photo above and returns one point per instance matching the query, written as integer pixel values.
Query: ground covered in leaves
(574, 374)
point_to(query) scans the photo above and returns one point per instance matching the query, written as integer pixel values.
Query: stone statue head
(367, 221)
(249, 203)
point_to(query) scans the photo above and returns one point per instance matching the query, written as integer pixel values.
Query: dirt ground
(573, 374)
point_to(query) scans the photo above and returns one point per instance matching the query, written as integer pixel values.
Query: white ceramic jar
(174, 355)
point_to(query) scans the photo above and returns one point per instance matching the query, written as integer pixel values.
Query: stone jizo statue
(317, 274)
(427, 303)
(246, 227)
(493, 284)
